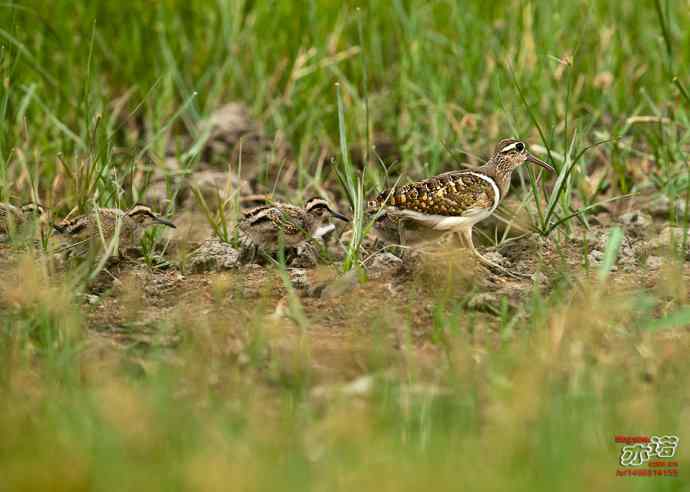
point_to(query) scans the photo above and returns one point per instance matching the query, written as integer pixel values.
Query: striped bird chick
(15, 217)
(268, 226)
(451, 202)
(98, 230)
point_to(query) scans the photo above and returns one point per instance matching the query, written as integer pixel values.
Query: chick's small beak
(539, 162)
(164, 222)
(339, 216)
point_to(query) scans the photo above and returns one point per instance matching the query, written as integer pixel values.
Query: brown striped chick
(267, 227)
(16, 218)
(107, 229)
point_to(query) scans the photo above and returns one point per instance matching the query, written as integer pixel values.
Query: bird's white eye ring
(519, 146)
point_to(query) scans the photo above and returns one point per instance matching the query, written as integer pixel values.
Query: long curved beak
(338, 215)
(164, 222)
(539, 162)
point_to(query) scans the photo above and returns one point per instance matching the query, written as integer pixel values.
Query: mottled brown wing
(3, 219)
(291, 221)
(5, 211)
(279, 218)
(72, 227)
(248, 213)
(450, 194)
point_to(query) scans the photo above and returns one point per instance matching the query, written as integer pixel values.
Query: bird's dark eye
(519, 146)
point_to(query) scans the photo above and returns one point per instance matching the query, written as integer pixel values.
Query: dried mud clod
(383, 263)
(213, 255)
(216, 255)
(233, 135)
(663, 207)
(235, 150)
(172, 185)
(637, 221)
(670, 239)
(237, 142)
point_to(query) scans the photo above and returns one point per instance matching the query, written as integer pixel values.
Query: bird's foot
(504, 271)
(491, 265)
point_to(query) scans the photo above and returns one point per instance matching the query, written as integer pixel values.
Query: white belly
(444, 222)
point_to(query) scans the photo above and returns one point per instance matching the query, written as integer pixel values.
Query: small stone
(215, 186)
(91, 299)
(590, 237)
(243, 359)
(602, 241)
(670, 237)
(538, 240)
(539, 278)
(638, 219)
(595, 256)
(214, 255)
(359, 387)
(382, 263)
(234, 137)
(482, 301)
(341, 285)
(654, 263)
(281, 309)
(663, 207)
(627, 251)
(498, 258)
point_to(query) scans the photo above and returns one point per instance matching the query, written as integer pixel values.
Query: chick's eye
(519, 146)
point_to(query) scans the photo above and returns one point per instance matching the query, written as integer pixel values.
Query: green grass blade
(611, 253)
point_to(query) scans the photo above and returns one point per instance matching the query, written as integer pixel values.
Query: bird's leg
(257, 252)
(465, 236)
(306, 255)
(248, 249)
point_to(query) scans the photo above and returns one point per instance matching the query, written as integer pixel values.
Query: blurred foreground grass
(536, 408)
